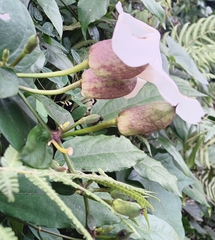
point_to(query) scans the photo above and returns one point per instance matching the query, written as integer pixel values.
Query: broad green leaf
(57, 113)
(15, 121)
(181, 128)
(31, 199)
(89, 11)
(153, 170)
(169, 206)
(8, 82)
(36, 153)
(51, 10)
(106, 152)
(160, 229)
(66, 2)
(155, 9)
(15, 30)
(185, 87)
(184, 59)
(167, 161)
(176, 155)
(109, 109)
(46, 235)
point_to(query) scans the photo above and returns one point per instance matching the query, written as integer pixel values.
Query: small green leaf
(8, 82)
(51, 9)
(89, 11)
(155, 9)
(184, 59)
(15, 121)
(36, 153)
(154, 171)
(106, 152)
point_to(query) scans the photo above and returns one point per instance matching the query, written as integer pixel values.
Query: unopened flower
(105, 63)
(145, 119)
(93, 86)
(137, 44)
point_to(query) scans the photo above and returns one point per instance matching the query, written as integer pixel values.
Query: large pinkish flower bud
(105, 88)
(105, 63)
(145, 119)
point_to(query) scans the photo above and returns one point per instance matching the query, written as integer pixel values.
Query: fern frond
(8, 180)
(198, 39)
(7, 233)
(41, 182)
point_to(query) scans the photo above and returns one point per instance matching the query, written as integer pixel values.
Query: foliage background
(177, 163)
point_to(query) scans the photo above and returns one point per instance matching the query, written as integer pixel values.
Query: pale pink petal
(5, 16)
(190, 110)
(139, 85)
(137, 38)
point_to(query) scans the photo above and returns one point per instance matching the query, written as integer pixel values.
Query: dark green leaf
(36, 153)
(15, 121)
(51, 9)
(15, 32)
(155, 9)
(46, 212)
(89, 11)
(106, 152)
(8, 82)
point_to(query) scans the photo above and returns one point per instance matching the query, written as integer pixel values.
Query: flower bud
(105, 88)
(145, 119)
(105, 63)
(33, 41)
(130, 209)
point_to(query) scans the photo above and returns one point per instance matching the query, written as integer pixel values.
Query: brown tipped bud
(145, 119)
(105, 63)
(129, 209)
(105, 88)
(33, 41)
(123, 234)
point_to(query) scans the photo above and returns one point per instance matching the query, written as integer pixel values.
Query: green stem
(40, 120)
(52, 92)
(66, 72)
(68, 161)
(18, 59)
(103, 125)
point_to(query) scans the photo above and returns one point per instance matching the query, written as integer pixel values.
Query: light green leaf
(169, 206)
(8, 82)
(183, 58)
(15, 31)
(154, 171)
(106, 152)
(109, 109)
(176, 155)
(7, 233)
(89, 11)
(51, 9)
(155, 9)
(57, 113)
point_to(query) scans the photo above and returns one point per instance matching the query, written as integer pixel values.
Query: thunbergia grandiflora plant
(118, 67)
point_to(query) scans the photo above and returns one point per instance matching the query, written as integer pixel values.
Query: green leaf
(169, 206)
(31, 199)
(155, 9)
(51, 10)
(109, 109)
(36, 153)
(14, 39)
(154, 171)
(106, 152)
(8, 82)
(176, 155)
(46, 235)
(15, 121)
(57, 113)
(184, 59)
(89, 11)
